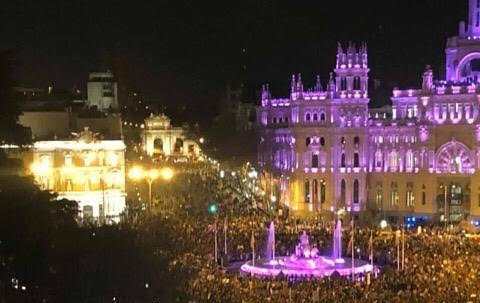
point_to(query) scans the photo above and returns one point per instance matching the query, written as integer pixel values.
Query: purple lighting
(306, 262)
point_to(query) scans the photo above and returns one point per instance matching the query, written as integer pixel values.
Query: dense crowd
(439, 266)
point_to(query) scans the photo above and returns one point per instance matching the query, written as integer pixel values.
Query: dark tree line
(53, 259)
(10, 131)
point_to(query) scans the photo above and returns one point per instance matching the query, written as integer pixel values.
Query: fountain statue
(271, 242)
(337, 243)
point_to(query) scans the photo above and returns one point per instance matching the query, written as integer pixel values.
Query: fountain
(306, 261)
(337, 243)
(270, 254)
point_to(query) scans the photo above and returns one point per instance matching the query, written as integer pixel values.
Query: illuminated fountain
(306, 262)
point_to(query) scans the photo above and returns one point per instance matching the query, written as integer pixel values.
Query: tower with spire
(351, 71)
(462, 51)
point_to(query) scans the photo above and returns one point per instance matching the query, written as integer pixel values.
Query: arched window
(308, 140)
(356, 83)
(343, 191)
(378, 158)
(307, 191)
(315, 191)
(178, 148)
(322, 141)
(379, 195)
(323, 188)
(308, 117)
(158, 146)
(343, 161)
(315, 161)
(343, 83)
(410, 197)
(322, 117)
(356, 141)
(394, 194)
(410, 160)
(355, 191)
(315, 117)
(356, 160)
(393, 160)
(424, 195)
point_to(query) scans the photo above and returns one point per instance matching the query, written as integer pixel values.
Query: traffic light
(213, 208)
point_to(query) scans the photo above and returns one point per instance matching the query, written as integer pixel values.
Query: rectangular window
(410, 197)
(315, 161)
(424, 198)
(394, 198)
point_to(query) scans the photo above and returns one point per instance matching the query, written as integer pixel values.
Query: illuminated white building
(89, 171)
(160, 138)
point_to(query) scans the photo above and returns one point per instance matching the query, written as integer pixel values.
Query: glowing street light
(383, 224)
(166, 173)
(137, 173)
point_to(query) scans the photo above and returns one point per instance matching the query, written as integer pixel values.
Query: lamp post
(444, 204)
(137, 173)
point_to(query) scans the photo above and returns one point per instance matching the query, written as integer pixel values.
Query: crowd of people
(437, 266)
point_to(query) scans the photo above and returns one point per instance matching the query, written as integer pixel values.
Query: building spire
(427, 83)
(318, 85)
(473, 18)
(293, 84)
(299, 83)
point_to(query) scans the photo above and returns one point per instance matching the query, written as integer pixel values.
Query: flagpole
(403, 248)
(353, 250)
(216, 242)
(252, 244)
(371, 248)
(225, 235)
(397, 242)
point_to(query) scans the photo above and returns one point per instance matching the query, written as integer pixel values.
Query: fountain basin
(300, 267)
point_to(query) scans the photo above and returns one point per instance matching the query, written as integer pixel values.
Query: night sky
(187, 51)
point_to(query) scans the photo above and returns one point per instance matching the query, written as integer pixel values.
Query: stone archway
(157, 146)
(454, 158)
(469, 67)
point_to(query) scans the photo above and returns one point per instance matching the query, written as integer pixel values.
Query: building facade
(86, 170)
(420, 159)
(102, 91)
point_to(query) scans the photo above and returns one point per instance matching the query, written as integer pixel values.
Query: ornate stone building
(419, 160)
(160, 138)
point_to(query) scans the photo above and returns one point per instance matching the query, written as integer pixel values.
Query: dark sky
(179, 51)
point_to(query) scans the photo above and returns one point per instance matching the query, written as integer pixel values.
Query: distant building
(86, 170)
(59, 124)
(160, 138)
(102, 91)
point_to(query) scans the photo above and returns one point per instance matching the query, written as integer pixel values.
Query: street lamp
(137, 173)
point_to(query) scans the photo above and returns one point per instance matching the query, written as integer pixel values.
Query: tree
(10, 131)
